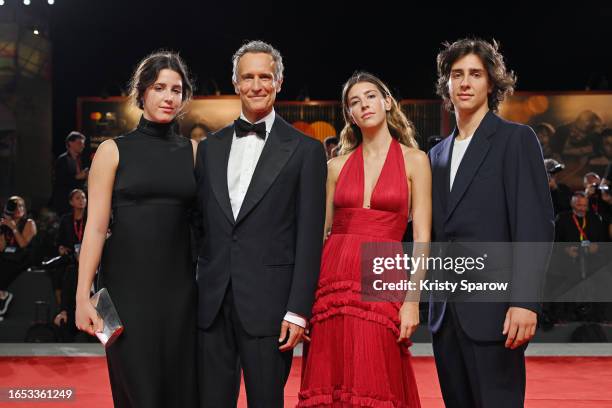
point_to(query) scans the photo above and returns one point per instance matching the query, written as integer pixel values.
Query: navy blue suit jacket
(500, 194)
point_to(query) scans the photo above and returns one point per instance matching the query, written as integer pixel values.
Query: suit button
(235, 238)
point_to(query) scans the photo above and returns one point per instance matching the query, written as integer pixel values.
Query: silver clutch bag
(113, 327)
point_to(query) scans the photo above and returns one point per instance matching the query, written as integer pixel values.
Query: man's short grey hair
(258, 47)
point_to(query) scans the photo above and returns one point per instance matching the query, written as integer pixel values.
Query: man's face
(580, 205)
(76, 146)
(257, 85)
(468, 85)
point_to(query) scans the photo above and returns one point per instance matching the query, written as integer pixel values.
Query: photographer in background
(16, 233)
(70, 172)
(69, 239)
(559, 192)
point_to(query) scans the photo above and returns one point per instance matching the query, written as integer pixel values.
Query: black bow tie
(243, 128)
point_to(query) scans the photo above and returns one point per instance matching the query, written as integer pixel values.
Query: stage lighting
(26, 2)
(1, 2)
(51, 2)
(36, 32)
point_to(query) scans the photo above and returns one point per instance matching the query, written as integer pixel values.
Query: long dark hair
(399, 125)
(502, 81)
(148, 70)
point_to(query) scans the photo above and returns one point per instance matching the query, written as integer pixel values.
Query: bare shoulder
(414, 158)
(107, 155)
(335, 164)
(107, 148)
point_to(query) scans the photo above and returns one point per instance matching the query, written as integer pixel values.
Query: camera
(10, 208)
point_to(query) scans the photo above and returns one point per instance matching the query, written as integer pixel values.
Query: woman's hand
(9, 222)
(409, 320)
(87, 319)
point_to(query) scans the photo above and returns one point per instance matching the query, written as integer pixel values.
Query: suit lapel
(219, 146)
(473, 158)
(441, 172)
(278, 149)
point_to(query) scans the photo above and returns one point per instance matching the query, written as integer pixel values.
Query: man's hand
(296, 334)
(520, 326)
(82, 175)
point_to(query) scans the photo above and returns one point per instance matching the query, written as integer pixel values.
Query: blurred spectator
(583, 231)
(16, 233)
(603, 155)
(198, 132)
(545, 131)
(592, 182)
(579, 225)
(559, 192)
(575, 140)
(70, 172)
(330, 144)
(69, 239)
(573, 143)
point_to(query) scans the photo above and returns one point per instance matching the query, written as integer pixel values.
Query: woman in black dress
(145, 180)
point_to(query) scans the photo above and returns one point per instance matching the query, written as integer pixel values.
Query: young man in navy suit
(489, 185)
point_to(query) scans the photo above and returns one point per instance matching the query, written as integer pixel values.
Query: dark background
(96, 44)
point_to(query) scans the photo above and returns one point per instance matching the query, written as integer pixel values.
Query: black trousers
(225, 349)
(9, 270)
(477, 374)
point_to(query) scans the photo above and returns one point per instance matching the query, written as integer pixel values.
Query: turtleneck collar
(154, 128)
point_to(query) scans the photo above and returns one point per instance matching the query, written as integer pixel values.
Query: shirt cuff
(295, 319)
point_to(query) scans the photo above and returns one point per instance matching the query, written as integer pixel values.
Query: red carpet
(552, 382)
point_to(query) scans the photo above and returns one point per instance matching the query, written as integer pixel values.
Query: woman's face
(163, 99)
(20, 211)
(367, 106)
(78, 201)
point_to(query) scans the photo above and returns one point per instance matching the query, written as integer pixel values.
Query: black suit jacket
(272, 251)
(500, 194)
(64, 173)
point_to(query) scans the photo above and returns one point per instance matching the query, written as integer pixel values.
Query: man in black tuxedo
(261, 186)
(489, 185)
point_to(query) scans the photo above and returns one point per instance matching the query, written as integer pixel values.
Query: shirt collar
(268, 119)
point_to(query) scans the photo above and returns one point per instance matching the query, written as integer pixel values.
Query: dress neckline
(380, 175)
(155, 128)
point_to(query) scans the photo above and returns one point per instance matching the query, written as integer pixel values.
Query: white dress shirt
(243, 158)
(459, 148)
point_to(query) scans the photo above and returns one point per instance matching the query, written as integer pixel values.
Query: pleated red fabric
(354, 359)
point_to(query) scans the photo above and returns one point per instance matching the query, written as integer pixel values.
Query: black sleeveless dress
(147, 268)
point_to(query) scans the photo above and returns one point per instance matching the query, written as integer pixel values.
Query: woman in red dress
(359, 355)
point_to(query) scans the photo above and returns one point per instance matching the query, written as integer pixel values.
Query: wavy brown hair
(501, 80)
(400, 127)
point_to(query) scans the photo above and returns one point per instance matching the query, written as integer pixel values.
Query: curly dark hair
(502, 80)
(148, 69)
